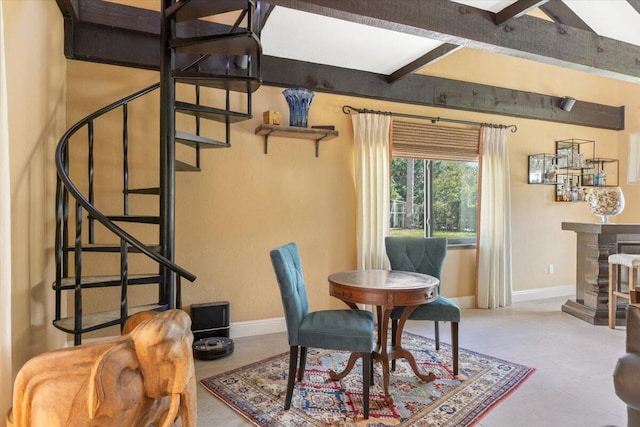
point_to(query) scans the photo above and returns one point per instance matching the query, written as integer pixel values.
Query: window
(434, 198)
(434, 181)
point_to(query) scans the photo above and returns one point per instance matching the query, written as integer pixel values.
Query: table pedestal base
(592, 316)
(397, 351)
(382, 354)
(386, 289)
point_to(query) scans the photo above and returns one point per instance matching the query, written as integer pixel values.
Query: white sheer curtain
(494, 278)
(371, 140)
(5, 237)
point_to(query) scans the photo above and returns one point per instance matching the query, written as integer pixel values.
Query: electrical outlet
(550, 268)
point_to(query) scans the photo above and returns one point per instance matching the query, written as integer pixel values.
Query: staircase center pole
(167, 155)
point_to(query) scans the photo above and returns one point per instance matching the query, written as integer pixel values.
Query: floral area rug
(257, 391)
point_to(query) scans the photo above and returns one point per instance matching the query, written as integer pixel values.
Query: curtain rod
(346, 109)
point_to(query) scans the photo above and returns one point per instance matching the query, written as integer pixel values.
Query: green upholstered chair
(347, 330)
(425, 255)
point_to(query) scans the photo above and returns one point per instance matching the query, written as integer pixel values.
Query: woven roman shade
(435, 142)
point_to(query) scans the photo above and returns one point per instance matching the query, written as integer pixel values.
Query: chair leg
(372, 382)
(633, 283)
(303, 363)
(394, 332)
(291, 379)
(613, 280)
(437, 335)
(454, 346)
(366, 380)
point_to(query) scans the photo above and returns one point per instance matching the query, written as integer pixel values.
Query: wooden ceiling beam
(426, 59)
(102, 43)
(528, 37)
(560, 13)
(89, 41)
(118, 15)
(438, 92)
(68, 8)
(516, 10)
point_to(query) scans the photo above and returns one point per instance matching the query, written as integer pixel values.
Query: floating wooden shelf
(295, 132)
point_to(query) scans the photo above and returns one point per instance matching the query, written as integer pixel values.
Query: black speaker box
(210, 320)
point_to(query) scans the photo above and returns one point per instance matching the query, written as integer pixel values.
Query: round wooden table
(386, 289)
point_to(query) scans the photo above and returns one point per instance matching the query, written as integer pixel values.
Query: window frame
(428, 216)
(470, 242)
(434, 142)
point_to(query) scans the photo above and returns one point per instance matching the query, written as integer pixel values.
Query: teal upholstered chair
(348, 330)
(425, 255)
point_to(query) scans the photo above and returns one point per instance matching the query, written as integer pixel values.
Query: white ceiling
(313, 38)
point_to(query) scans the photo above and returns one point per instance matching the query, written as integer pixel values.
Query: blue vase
(299, 100)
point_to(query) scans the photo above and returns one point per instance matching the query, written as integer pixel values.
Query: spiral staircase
(225, 63)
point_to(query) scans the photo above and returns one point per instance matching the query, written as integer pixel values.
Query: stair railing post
(251, 24)
(59, 248)
(178, 291)
(91, 173)
(167, 155)
(198, 122)
(77, 329)
(65, 218)
(124, 282)
(125, 157)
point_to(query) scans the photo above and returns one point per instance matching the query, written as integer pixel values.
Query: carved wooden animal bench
(146, 376)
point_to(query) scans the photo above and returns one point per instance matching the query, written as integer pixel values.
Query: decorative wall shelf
(542, 169)
(573, 169)
(295, 132)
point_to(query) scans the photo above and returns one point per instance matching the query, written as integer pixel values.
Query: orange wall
(244, 202)
(36, 89)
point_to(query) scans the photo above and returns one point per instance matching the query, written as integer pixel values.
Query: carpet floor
(257, 391)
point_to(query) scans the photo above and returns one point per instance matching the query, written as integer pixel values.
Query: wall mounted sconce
(566, 103)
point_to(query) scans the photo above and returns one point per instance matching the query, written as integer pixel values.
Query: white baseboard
(258, 327)
(464, 302)
(278, 324)
(543, 293)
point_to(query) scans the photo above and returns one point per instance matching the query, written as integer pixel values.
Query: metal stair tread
(219, 81)
(211, 113)
(186, 167)
(144, 219)
(106, 281)
(194, 9)
(148, 190)
(106, 247)
(198, 141)
(241, 43)
(103, 319)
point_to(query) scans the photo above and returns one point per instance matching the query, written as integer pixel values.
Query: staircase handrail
(93, 212)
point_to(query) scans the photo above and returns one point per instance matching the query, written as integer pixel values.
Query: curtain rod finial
(347, 109)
